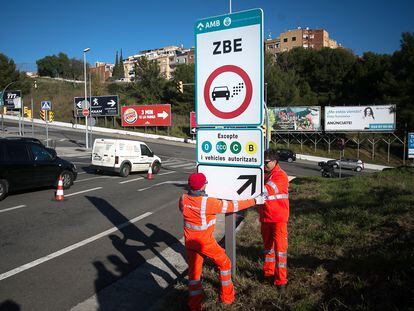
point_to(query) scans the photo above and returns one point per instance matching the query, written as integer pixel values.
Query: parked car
(123, 156)
(346, 163)
(286, 155)
(26, 164)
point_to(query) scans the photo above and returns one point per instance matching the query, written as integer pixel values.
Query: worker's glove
(260, 199)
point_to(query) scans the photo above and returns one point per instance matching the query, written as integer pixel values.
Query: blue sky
(33, 29)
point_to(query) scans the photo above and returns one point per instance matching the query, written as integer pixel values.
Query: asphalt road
(57, 254)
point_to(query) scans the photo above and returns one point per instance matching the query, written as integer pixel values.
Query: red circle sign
(85, 112)
(246, 101)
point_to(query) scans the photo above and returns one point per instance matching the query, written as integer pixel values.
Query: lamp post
(86, 117)
(2, 106)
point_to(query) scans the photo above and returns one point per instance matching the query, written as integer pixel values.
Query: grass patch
(350, 248)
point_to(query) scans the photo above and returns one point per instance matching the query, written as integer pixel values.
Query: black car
(26, 164)
(286, 155)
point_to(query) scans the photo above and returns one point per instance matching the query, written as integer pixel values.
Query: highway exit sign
(229, 69)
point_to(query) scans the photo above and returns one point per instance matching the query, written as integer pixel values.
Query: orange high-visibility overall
(274, 215)
(199, 214)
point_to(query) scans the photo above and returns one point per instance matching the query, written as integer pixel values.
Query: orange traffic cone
(149, 174)
(59, 192)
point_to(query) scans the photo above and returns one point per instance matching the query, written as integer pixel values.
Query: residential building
(103, 70)
(167, 57)
(300, 37)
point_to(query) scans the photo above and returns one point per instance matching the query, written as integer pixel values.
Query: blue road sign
(410, 145)
(46, 105)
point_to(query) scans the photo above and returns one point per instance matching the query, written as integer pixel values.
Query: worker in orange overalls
(199, 212)
(274, 216)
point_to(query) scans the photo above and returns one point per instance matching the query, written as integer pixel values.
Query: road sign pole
(47, 128)
(31, 105)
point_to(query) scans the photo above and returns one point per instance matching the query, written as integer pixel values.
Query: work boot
(268, 279)
(281, 289)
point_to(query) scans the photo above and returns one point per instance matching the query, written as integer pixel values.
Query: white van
(123, 156)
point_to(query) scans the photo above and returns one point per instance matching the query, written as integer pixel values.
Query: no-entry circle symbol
(249, 91)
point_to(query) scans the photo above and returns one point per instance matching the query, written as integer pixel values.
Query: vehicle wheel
(4, 188)
(290, 160)
(98, 171)
(156, 166)
(358, 169)
(335, 165)
(67, 179)
(125, 170)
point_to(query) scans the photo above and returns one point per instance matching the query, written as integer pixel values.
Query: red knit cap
(196, 181)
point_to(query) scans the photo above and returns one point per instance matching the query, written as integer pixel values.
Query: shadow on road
(142, 287)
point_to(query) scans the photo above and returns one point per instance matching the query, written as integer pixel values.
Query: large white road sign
(230, 147)
(232, 183)
(229, 69)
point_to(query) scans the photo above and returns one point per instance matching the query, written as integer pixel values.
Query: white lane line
(11, 208)
(99, 177)
(83, 191)
(177, 182)
(181, 165)
(131, 180)
(166, 173)
(77, 162)
(169, 163)
(71, 247)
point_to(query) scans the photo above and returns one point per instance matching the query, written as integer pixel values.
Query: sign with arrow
(233, 183)
(146, 115)
(100, 106)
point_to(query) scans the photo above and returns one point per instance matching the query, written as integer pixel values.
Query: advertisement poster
(301, 119)
(146, 115)
(360, 118)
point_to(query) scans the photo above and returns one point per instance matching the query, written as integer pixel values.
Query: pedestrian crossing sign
(46, 105)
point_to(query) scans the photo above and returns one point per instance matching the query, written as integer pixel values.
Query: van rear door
(103, 153)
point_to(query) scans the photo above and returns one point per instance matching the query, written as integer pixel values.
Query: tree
(60, 66)
(9, 74)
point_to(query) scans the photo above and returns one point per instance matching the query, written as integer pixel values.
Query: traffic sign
(46, 105)
(232, 183)
(229, 67)
(91, 121)
(410, 145)
(146, 115)
(12, 99)
(85, 112)
(99, 105)
(230, 147)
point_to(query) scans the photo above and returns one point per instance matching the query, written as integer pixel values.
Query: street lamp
(86, 118)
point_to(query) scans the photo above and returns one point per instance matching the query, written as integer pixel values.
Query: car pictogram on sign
(220, 91)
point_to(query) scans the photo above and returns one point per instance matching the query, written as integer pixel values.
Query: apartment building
(300, 37)
(167, 57)
(103, 70)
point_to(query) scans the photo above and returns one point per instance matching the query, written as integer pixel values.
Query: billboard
(146, 115)
(301, 119)
(12, 100)
(360, 118)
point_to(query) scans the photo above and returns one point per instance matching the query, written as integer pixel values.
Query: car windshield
(220, 88)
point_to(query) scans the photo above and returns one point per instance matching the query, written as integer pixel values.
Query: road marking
(71, 247)
(166, 173)
(181, 165)
(177, 182)
(99, 177)
(81, 173)
(11, 208)
(131, 180)
(79, 162)
(79, 192)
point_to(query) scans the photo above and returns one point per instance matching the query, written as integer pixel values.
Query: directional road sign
(230, 147)
(232, 183)
(46, 105)
(146, 115)
(100, 106)
(12, 99)
(229, 67)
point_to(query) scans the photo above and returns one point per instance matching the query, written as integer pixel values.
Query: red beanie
(196, 181)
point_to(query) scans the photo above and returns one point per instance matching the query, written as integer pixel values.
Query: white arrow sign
(200, 26)
(112, 103)
(79, 105)
(162, 115)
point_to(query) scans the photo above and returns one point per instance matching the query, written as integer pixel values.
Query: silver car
(350, 164)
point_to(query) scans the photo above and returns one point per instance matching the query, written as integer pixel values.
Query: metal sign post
(229, 93)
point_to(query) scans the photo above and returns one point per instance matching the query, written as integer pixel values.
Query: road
(55, 255)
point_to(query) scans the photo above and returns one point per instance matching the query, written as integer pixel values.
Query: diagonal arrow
(251, 179)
